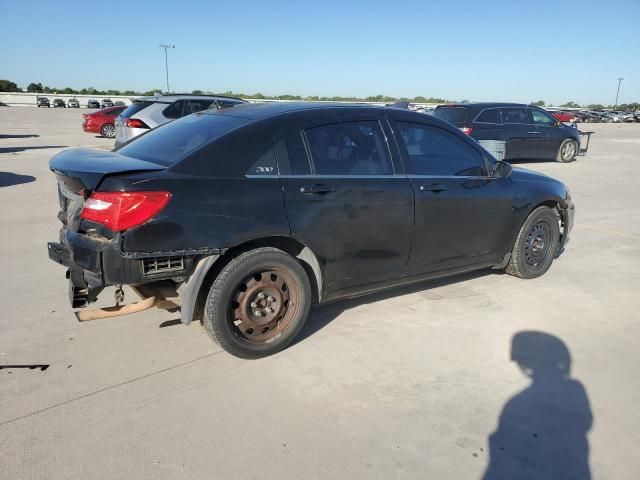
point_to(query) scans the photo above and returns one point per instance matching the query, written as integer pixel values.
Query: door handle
(433, 187)
(533, 133)
(317, 189)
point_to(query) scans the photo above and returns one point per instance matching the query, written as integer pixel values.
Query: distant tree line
(9, 86)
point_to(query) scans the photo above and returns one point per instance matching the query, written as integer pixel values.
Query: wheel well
(301, 252)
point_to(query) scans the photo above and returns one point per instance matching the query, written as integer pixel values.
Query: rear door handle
(533, 133)
(317, 189)
(433, 187)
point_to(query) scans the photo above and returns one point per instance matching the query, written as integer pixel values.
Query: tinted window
(193, 106)
(173, 141)
(452, 114)
(434, 151)
(132, 109)
(514, 115)
(542, 118)
(174, 110)
(349, 148)
(490, 115)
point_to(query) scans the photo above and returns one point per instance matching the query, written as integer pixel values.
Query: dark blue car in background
(528, 131)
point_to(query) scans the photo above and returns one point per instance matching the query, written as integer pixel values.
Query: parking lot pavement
(411, 383)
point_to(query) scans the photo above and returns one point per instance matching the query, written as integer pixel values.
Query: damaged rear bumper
(95, 263)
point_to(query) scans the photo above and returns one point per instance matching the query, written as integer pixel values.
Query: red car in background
(564, 116)
(102, 121)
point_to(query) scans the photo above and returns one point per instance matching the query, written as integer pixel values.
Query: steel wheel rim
(109, 131)
(568, 150)
(538, 243)
(263, 305)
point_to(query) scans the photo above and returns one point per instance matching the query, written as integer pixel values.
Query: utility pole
(619, 82)
(166, 62)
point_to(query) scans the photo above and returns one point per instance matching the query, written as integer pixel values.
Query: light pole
(618, 93)
(166, 62)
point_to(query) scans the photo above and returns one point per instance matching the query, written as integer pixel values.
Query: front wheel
(567, 151)
(258, 303)
(108, 130)
(536, 244)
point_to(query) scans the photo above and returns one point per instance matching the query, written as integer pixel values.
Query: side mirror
(502, 169)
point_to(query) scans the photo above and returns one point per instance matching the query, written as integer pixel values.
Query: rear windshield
(134, 108)
(452, 114)
(175, 140)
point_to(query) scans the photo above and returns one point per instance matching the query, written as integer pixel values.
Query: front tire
(536, 244)
(567, 151)
(258, 303)
(108, 130)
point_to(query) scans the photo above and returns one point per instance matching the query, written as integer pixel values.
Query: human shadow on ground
(542, 431)
(7, 179)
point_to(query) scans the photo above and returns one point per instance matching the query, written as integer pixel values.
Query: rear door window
(453, 115)
(134, 108)
(173, 141)
(489, 115)
(174, 110)
(193, 106)
(514, 115)
(435, 152)
(349, 148)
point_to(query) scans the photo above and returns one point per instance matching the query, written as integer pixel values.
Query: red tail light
(123, 210)
(135, 123)
(467, 130)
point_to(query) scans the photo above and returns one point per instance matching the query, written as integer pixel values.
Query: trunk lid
(84, 168)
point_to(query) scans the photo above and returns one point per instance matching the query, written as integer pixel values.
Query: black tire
(108, 130)
(536, 244)
(229, 312)
(567, 151)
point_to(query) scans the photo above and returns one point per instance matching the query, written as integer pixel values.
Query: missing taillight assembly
(123, 210)
(135, 123)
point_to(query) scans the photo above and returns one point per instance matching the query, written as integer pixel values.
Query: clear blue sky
(556, 50)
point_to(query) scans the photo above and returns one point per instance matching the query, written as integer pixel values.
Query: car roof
(174, 97)
(257, 111)
(485, 105)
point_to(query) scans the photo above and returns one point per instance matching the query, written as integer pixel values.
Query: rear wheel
(536, 244)
(108, 130)
(258, 303)
(567, 151)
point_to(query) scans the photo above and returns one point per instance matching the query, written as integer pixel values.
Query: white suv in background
(146, 113)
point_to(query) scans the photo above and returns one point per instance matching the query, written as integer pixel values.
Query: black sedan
(243, 217)
(59, 103)
(93, 104)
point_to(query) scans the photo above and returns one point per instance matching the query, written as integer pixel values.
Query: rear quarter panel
(204, 213)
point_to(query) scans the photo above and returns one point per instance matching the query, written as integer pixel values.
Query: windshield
(173, 141)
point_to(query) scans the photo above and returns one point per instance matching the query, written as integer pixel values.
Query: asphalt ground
(417, 382)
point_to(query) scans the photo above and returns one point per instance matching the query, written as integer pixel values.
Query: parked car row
(145, 113)
(587, 116)
(75, 103)
(236, 216)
